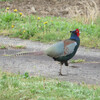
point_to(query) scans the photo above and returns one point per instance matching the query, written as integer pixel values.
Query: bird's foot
(60, 74)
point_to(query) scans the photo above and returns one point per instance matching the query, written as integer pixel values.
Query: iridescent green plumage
(65, 50)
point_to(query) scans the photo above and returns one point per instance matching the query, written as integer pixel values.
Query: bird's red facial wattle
(77, 32)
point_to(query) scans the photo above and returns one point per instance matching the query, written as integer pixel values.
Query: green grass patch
(5, 0)
(77, 61)
(48, 29)
(3, 47)
(18, 47)
(24, 87)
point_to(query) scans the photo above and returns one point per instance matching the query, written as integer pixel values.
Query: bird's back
(56, 49)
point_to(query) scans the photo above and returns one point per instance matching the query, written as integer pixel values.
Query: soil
(88, 71)
(64, 8)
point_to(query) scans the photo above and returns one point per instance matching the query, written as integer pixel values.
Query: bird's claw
(60, 74)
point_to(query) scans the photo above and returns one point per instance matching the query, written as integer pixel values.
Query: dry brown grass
(88, 9)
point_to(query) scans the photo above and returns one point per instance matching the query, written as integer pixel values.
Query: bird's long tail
(27, 53)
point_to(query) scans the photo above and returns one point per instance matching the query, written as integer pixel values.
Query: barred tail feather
(28, 53)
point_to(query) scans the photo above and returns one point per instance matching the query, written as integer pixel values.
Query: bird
(61, 51)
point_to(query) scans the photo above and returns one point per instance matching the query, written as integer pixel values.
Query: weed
(19, 47)
(77, 61)
(5, 0)
(48, 29)
(10, 46)
(3, 47)
(26, 75)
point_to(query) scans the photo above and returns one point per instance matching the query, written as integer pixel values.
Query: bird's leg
(60, 72)
(66, 63)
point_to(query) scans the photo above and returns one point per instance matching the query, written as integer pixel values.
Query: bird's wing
(61, 48)
(69, 46)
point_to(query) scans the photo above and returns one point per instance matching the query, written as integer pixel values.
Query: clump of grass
(48, 29)
(77, 61)
(3, 47)
(5, 0)
(23, 87)
(18, 47)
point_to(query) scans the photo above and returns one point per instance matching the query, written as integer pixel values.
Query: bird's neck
(74, 37)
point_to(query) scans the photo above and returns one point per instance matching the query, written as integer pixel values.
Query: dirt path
(89, 71)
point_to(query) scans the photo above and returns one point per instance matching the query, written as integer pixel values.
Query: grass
(18, 47)
(48, 29)
(5, 0)
(10, 46)
(3, 47)
(24, 87)
(77, 61)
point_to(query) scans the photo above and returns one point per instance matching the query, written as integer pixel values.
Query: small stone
(33, 11)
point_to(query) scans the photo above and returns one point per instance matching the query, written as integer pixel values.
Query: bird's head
(76, 32)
